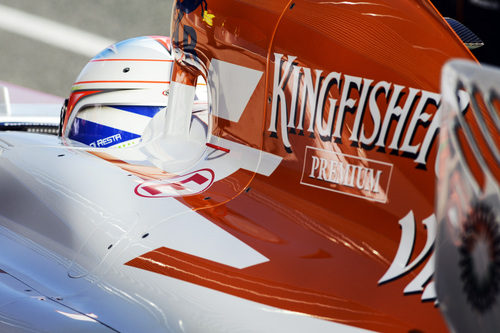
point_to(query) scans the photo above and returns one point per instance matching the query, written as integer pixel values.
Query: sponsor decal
(350, 175)
(401, 264)
(106, 141)
(189, 184)
(307, 101)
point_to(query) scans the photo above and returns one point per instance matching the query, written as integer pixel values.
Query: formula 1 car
(270, 168)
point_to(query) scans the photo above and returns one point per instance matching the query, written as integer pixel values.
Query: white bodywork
(61, 209)
(70, 221)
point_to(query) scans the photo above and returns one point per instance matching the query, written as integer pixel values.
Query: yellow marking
(208, 18)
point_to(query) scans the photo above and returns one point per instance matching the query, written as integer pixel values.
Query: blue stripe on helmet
(97, 135)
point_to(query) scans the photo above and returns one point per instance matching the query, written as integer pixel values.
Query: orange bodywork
(329, 240)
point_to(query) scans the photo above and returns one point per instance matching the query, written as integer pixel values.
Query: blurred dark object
(469, 38)
(483, 18)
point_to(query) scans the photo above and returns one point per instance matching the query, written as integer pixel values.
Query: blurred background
(483, 18)
(39, 49)
(42, 63)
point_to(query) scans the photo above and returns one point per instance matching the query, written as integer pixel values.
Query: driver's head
(118, 92)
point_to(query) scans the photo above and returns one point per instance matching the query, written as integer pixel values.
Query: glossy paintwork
(258, 250)
(68, 257)
(327, 244)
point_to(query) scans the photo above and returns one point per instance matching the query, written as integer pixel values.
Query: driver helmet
(118, 93)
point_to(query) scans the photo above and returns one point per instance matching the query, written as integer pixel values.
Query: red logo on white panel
(192, 183)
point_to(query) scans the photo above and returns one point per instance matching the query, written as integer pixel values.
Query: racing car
(269, 167)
